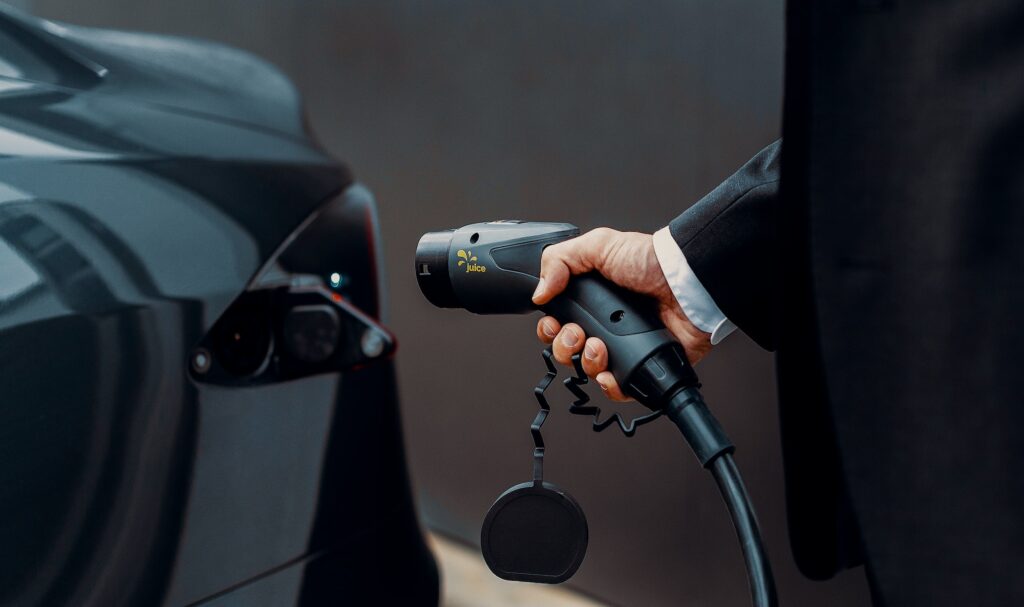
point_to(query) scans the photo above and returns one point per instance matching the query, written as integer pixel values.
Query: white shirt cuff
(693, 298)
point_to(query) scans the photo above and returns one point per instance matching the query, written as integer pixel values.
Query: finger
(610, 387)
(547, 329)
(595, 356)
(562, 260)
(554, 274)
(569, 341)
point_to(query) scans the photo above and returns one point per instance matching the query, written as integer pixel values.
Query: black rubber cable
(759, 572)
(687, 409)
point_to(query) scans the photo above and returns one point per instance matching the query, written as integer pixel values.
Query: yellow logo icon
(469, 260)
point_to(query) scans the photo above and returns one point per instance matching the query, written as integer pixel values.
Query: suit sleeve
(729, 240)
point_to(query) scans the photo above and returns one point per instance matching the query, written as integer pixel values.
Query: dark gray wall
(591, 111)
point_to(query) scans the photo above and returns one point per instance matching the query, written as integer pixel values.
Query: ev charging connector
(536, 531)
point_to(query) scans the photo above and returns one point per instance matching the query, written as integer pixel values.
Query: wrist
(696, 303)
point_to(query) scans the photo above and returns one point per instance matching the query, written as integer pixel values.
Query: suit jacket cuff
(698, 305)
(729, 241)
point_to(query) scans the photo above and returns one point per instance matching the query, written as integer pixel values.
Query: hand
(628, 260)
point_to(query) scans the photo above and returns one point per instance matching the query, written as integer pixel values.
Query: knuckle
(552, 253)
(604, 234)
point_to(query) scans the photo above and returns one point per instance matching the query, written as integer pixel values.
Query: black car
(196, 400)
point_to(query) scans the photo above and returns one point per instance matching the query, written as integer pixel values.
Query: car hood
(187, 75)
(191, 156)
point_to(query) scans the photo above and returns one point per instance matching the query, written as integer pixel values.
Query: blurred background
(595, 112)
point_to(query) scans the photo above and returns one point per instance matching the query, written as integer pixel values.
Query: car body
(150, 188)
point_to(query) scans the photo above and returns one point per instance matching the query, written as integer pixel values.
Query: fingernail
(548, 329)
(589, 352)
(539, 289)
(603, 387)
(570, 338)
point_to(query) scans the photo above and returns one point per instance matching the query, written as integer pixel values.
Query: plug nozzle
(432, 268)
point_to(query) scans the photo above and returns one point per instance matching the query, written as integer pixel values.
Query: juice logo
(469, 260)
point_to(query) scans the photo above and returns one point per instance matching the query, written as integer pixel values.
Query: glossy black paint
(145, 183)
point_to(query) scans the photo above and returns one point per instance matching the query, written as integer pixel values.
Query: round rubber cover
(534, 532)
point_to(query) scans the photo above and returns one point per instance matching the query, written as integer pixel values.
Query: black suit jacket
(880, 253)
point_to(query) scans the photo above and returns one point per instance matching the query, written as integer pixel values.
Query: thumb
(562, 260)
(554, 277)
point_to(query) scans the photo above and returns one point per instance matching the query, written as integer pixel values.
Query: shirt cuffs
(693, 298)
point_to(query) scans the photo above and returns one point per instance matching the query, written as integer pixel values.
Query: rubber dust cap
(534, 532)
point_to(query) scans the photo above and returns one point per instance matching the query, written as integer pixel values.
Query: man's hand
(628, 260)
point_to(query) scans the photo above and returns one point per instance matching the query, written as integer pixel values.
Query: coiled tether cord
(687, 409)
